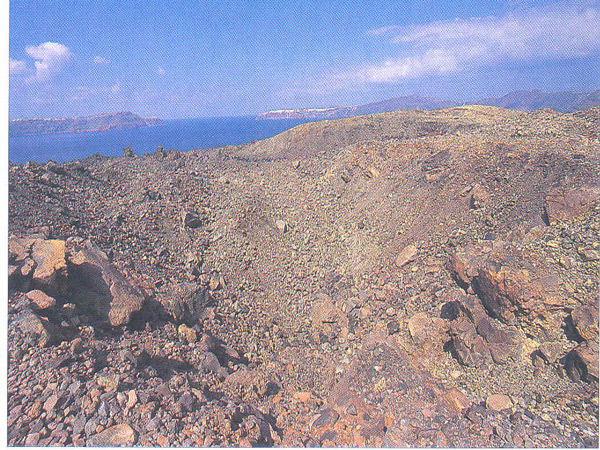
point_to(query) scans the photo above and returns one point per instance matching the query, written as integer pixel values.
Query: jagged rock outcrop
(514, 289)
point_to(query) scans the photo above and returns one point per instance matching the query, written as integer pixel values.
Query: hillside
(406, 279)
(102, 122)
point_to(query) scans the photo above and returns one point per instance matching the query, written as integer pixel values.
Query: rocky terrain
(102, 122)
(403, 279)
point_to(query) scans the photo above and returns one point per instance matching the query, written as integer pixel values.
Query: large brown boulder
(100, 290)
(51, 264)
(585, 322)
(517, 287)
(582, 362)
(115, 436)
(564, 204)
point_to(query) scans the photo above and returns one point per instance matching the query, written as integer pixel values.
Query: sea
(181, 134)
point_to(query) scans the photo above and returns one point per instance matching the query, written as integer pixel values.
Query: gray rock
(47, 332)
(211, 364)
(186, 302)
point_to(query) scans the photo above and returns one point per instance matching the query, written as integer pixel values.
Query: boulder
(498, 402)
(582, 362)
(186, 302)
(585, 322)
(427, 330)
(550, 351)
(512, 295)
(30, 323)
(50, 270)
(115, 436)
(464, 263)
(564, 204)
(100, 290)
(504, 342)
(191, 220)
(469, 348)
(19, 249)
(478, 339)
(211, 364)
(187, 334)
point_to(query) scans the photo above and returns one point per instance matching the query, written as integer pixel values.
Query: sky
(183, 59)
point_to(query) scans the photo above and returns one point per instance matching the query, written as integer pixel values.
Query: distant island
(567, 101)
(101, 122)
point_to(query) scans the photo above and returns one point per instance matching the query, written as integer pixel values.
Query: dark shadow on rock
(227, 354)
(89, 291)
(571, 330)
(449, 347)
(152, 312)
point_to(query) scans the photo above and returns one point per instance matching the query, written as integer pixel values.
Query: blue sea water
(182, 135)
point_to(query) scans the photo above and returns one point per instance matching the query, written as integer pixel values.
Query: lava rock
(115, 436)
(582, 362)
(98, 288)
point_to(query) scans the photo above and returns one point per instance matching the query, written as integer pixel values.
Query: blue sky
(176, 59)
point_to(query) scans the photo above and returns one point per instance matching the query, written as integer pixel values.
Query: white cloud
(17, 67)
(51, 58)
(555, 32)
(100, 60)
(160, 71)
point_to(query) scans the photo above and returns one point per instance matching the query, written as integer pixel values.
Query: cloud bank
(555, 32)
(51, 58)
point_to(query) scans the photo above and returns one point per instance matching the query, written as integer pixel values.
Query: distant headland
(567, 101)
(101, 122)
